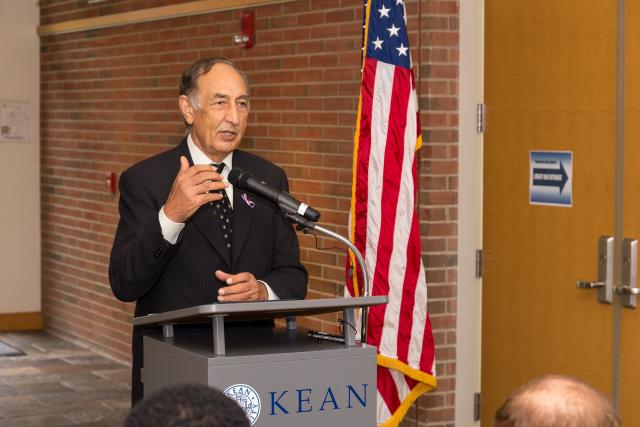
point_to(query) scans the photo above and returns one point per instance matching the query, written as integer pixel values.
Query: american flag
(383, 221)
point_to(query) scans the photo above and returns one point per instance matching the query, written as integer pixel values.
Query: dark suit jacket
(160, 276)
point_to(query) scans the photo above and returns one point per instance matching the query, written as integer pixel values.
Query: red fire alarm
(247, 34)
(110, 181)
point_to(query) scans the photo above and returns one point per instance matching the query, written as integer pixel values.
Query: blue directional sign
(551, 178)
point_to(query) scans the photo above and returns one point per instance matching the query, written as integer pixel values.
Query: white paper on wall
(15, 121)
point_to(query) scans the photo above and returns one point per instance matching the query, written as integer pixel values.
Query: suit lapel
(181, 149)
(243, 213)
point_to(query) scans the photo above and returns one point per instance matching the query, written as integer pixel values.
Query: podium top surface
(258, 310)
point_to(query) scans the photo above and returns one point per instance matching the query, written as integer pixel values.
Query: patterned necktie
(223, 211)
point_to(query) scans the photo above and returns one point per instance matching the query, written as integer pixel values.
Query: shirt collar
(199, 158)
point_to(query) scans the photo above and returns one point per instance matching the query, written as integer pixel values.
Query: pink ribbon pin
(248, 201)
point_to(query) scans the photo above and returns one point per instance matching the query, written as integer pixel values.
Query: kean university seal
(247, 398)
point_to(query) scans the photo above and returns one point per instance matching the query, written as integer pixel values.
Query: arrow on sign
(545, 177)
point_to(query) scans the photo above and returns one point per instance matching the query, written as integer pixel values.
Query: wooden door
(550, 84)
(629, 348)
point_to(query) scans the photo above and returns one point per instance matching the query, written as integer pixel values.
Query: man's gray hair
(556, 400)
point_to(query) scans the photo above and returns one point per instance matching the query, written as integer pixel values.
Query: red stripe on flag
(427, 355)
(393, 158)
(388, 390)
(411, 382)
(411, 277)
(362, 168)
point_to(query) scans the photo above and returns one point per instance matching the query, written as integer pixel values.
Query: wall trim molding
(21, 321)
(470, 191)
(150, 14)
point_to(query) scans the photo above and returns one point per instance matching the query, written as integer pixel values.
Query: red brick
(308, 19)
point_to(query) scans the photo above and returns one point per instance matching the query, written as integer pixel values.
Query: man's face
(221, 117)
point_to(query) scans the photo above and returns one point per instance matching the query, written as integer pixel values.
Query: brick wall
(109, 99)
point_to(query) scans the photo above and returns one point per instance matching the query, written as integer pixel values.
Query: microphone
(245, 181)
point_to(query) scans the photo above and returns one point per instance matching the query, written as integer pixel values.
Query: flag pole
(365, 279)
(307, 226)
(364, 28)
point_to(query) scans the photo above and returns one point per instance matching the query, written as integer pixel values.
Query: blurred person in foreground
(556, 401)
(187, 405)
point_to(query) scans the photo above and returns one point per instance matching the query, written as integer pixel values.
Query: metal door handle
(604, 284)
(629, 288)
(626, 290)
(584, 284)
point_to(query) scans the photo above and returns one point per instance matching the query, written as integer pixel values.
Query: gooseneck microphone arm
(307, 226)
(303, 215)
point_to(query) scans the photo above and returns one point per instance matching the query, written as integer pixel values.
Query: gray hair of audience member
(557, 401)
(190, 76)
(187, 405)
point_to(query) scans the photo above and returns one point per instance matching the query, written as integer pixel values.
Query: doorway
(561, 78)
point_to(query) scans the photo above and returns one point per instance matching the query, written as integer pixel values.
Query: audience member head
(556, 401)
(187, 405)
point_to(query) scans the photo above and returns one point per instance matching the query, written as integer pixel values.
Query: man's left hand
(241, 287)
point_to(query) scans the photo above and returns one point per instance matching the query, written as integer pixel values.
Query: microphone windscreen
(237, 176)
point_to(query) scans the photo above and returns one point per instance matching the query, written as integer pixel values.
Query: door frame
(470, 175)
(470, 200)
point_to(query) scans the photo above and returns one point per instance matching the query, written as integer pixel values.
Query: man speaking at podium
(185, 237)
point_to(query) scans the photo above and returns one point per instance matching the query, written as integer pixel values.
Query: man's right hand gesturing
(191, 189)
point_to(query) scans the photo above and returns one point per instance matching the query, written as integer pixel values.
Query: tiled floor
(59, 384)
